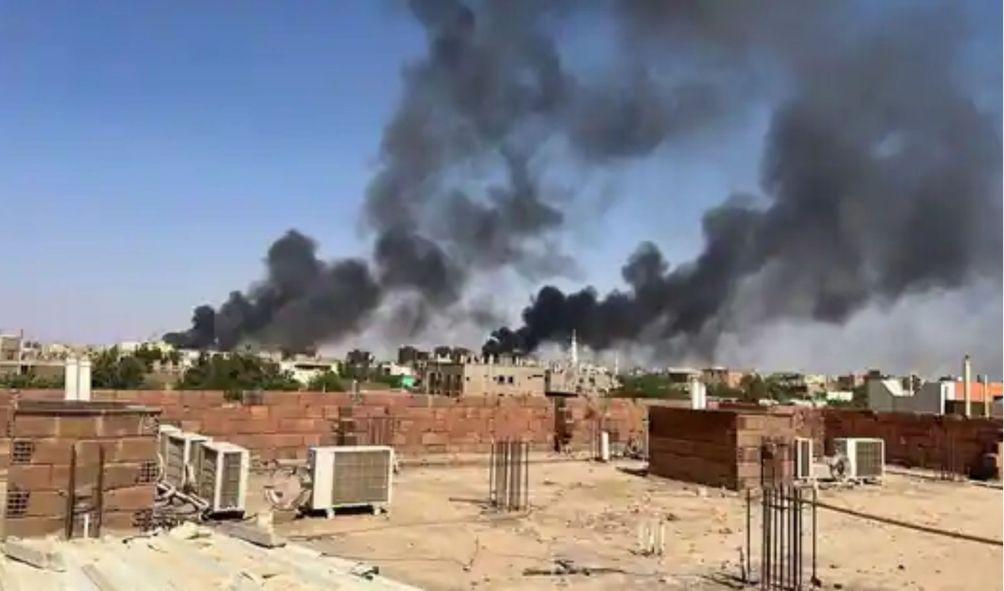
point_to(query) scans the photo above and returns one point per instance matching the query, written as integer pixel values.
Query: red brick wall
(37, 444)
(284, 424)
(579, 421)
(718, 447)
(937, 442)
(693, 445)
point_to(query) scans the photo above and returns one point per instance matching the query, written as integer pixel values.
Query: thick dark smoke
(880, 178)
(301, 301)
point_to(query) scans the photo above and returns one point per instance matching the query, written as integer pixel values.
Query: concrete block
(253, 534)
(40, 554)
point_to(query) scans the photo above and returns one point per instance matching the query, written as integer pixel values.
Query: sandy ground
(440, 535)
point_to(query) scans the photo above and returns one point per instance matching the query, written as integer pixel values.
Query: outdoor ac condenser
(350, 476)
(180, 455)
(803, 458)
(865, 457)
(223, 476)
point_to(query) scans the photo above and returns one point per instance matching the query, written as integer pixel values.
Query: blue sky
(151, 151)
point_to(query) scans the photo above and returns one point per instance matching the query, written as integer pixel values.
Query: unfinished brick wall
(718, 447)
(38, 439)
(284, 424)
(578, 421)
(434, 424)
(950, 443)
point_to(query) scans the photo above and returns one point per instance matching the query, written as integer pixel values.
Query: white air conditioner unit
(162, 432)
(865, 458)
(180, 457)
(803, 458)
(350, 476)
(223, 476)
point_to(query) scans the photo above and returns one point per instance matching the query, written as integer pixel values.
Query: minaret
(617, 363)
(575, 351)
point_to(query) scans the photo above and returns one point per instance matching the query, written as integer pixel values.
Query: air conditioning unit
(865, 457)
(162, 432)
(222, 479)
(350, 476)
(803, 458)
(180, 457)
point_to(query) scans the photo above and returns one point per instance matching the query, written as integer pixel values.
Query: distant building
(583, 379)
(23, 358)
(411, 356)
(849, 381)
(359, 360)
(478, 377)
(304, 368)
(946, 396)
(723, 376)
(681, 375)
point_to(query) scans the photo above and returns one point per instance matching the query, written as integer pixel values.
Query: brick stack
(718, 447)
(764, 445)
(40, 437)
(693, 445)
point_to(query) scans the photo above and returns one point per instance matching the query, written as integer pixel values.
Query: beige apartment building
(479, 377)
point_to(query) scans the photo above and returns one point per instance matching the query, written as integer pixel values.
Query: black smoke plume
(881, 178)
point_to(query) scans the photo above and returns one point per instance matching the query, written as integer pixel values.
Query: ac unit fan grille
(360, 477)
(230, 488)
(869, 458)
(175, 461)
(207, 475)
(804, 458)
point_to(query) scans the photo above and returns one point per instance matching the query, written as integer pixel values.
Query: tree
(326, 382)
(651, 385)
(754, 387)
(722, 391)
(148, 355)
(236, 373)
(30, 380)
(117, 372)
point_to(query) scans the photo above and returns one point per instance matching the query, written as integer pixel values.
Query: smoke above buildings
(880, 177)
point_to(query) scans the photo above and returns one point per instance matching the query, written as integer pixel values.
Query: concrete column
(71, 371)
(698, 395)
(967, 376)
(84, 380)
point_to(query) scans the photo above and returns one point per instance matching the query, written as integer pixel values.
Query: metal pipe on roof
(986, 396)
(967, 376)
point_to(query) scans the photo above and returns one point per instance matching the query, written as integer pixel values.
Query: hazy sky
(150, 152)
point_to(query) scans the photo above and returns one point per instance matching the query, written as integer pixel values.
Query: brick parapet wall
(580, 420)
(284, 424)
(37, 448)
(948, 442)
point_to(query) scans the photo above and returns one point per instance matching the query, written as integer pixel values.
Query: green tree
(148, 355)
(328, 381)
(30, 380)
(236, 373)
(754, 387)
(650, 385)
(113, 371)
(720, 391)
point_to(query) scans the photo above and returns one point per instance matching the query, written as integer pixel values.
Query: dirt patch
(439, 535)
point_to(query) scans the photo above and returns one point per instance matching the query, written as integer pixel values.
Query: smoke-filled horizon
(880, 177)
